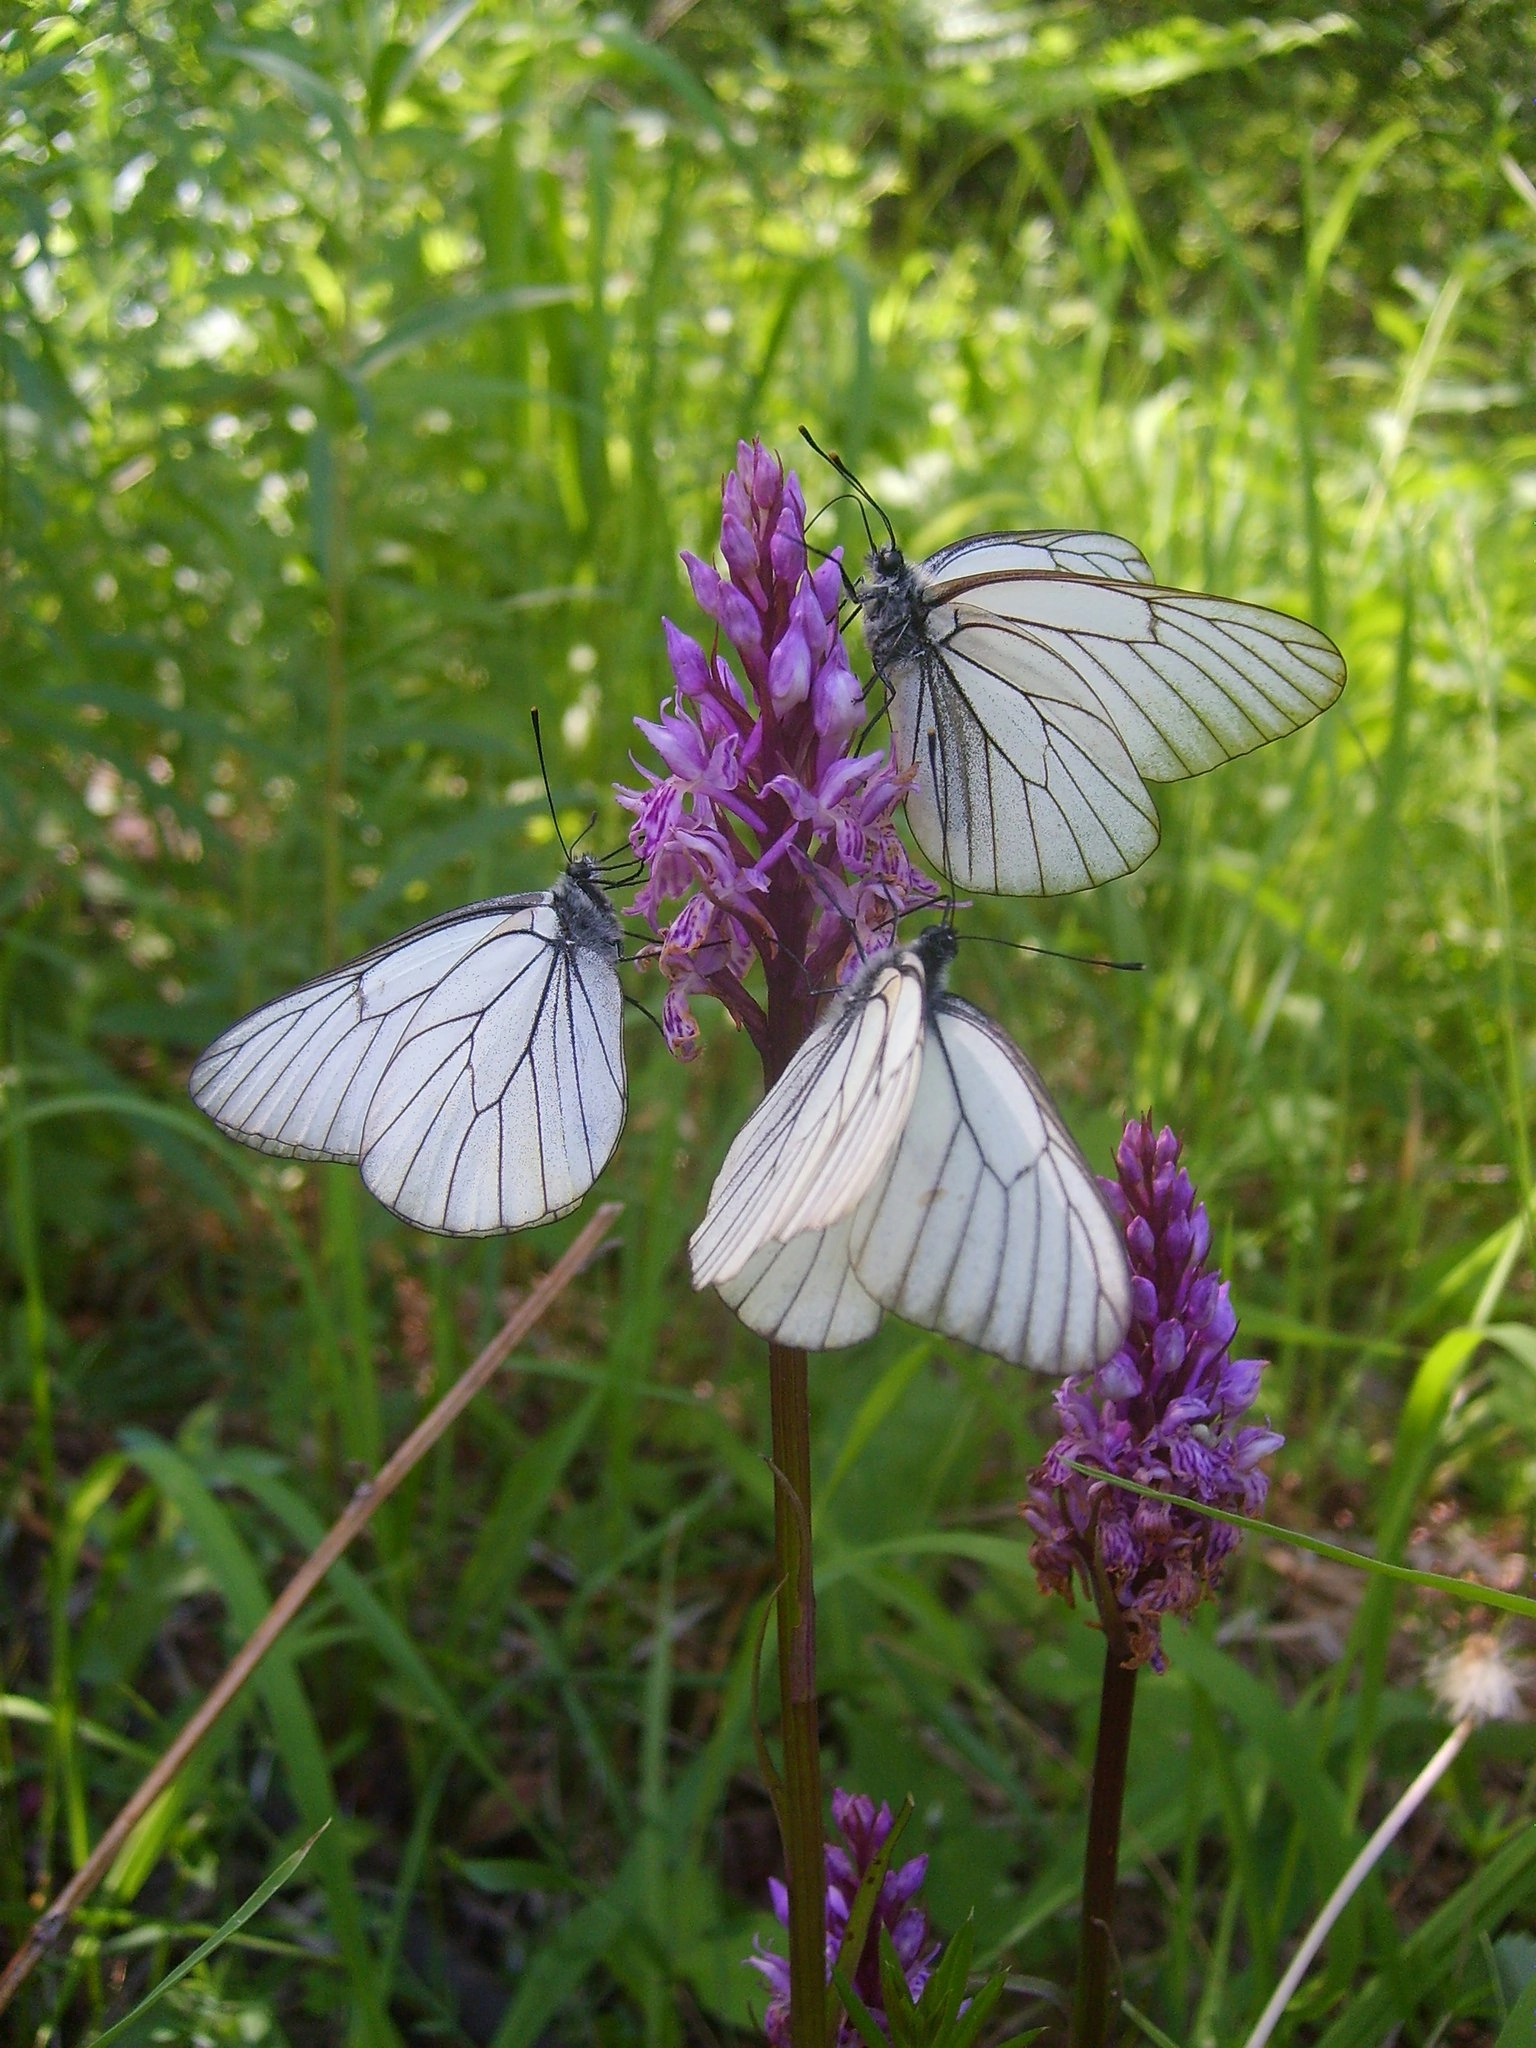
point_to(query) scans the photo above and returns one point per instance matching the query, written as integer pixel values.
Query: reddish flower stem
(1096, 1964)
(800, 1819)
(791, 1013)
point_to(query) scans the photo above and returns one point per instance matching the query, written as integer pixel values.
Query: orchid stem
(1101, 1859)
(799, 1800)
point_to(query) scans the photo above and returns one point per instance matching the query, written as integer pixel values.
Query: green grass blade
(129, 2023)
(276, 1681)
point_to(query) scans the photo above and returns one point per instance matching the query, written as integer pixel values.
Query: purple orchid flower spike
(775, 840)
(865, 1829)
(1164, 1411)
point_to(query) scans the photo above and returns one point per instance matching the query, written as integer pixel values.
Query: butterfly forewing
(504, 1100)
(296, 1076)
(1028, 789)
(1186, 681)
(815, 1142)
(1059, 549)
(989, 1225)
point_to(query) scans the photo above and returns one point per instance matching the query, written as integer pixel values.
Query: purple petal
(763, 472)
(706, 584)
(789, 672)
(1119, 1380)
(1254, 1444)
(690, 664)
(740, 551)
(1240, 1384)
(738, 618)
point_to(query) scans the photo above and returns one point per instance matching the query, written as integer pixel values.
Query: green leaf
(1501, 1887)
(306, 86)
(276, 1681)
(1519, 2030)
(432, 323)
(398, 63)
(1150, 2028)
(252, 1906)
(1472, 1591)
(561, 1964)
(870, 2030)
(878, 1403)
(851, 1947)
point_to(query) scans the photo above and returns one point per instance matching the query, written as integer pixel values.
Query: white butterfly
(473, 1068)
(910, 1159)
(1039, 681)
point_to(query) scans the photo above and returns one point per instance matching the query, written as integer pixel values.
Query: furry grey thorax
(585, 914)
(895, 609)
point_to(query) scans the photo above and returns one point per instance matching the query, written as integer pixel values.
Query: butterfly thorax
(895, 609)
(936, 947)
(581, 904)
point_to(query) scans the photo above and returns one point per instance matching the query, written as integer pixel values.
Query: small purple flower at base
(1164, 1411)
(864, 1829)
(777, 840)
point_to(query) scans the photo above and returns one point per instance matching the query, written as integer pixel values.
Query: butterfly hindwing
(804, 1293)
(978, 1218)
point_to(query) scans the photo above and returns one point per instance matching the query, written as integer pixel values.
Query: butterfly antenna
(549, 795)
(583, 832)
(836, 462)
(1054, 953)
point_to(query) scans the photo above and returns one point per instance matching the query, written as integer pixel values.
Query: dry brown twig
(366, 1501)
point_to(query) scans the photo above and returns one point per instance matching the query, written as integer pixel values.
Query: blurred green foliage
(364, 367)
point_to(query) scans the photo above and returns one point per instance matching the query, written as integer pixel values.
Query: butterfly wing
(1024, 787)
(473, 1068)
(1187, 681)
(1059, 550)
(505, 1097)
(822, 1132)
(296, 1076)
(989, 1225)
(1053, 679)
(804, 1293)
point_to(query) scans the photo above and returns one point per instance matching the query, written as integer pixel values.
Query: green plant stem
(1101, 1859)
(800, 1822)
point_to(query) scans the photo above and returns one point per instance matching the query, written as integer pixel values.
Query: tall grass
(363, 372)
